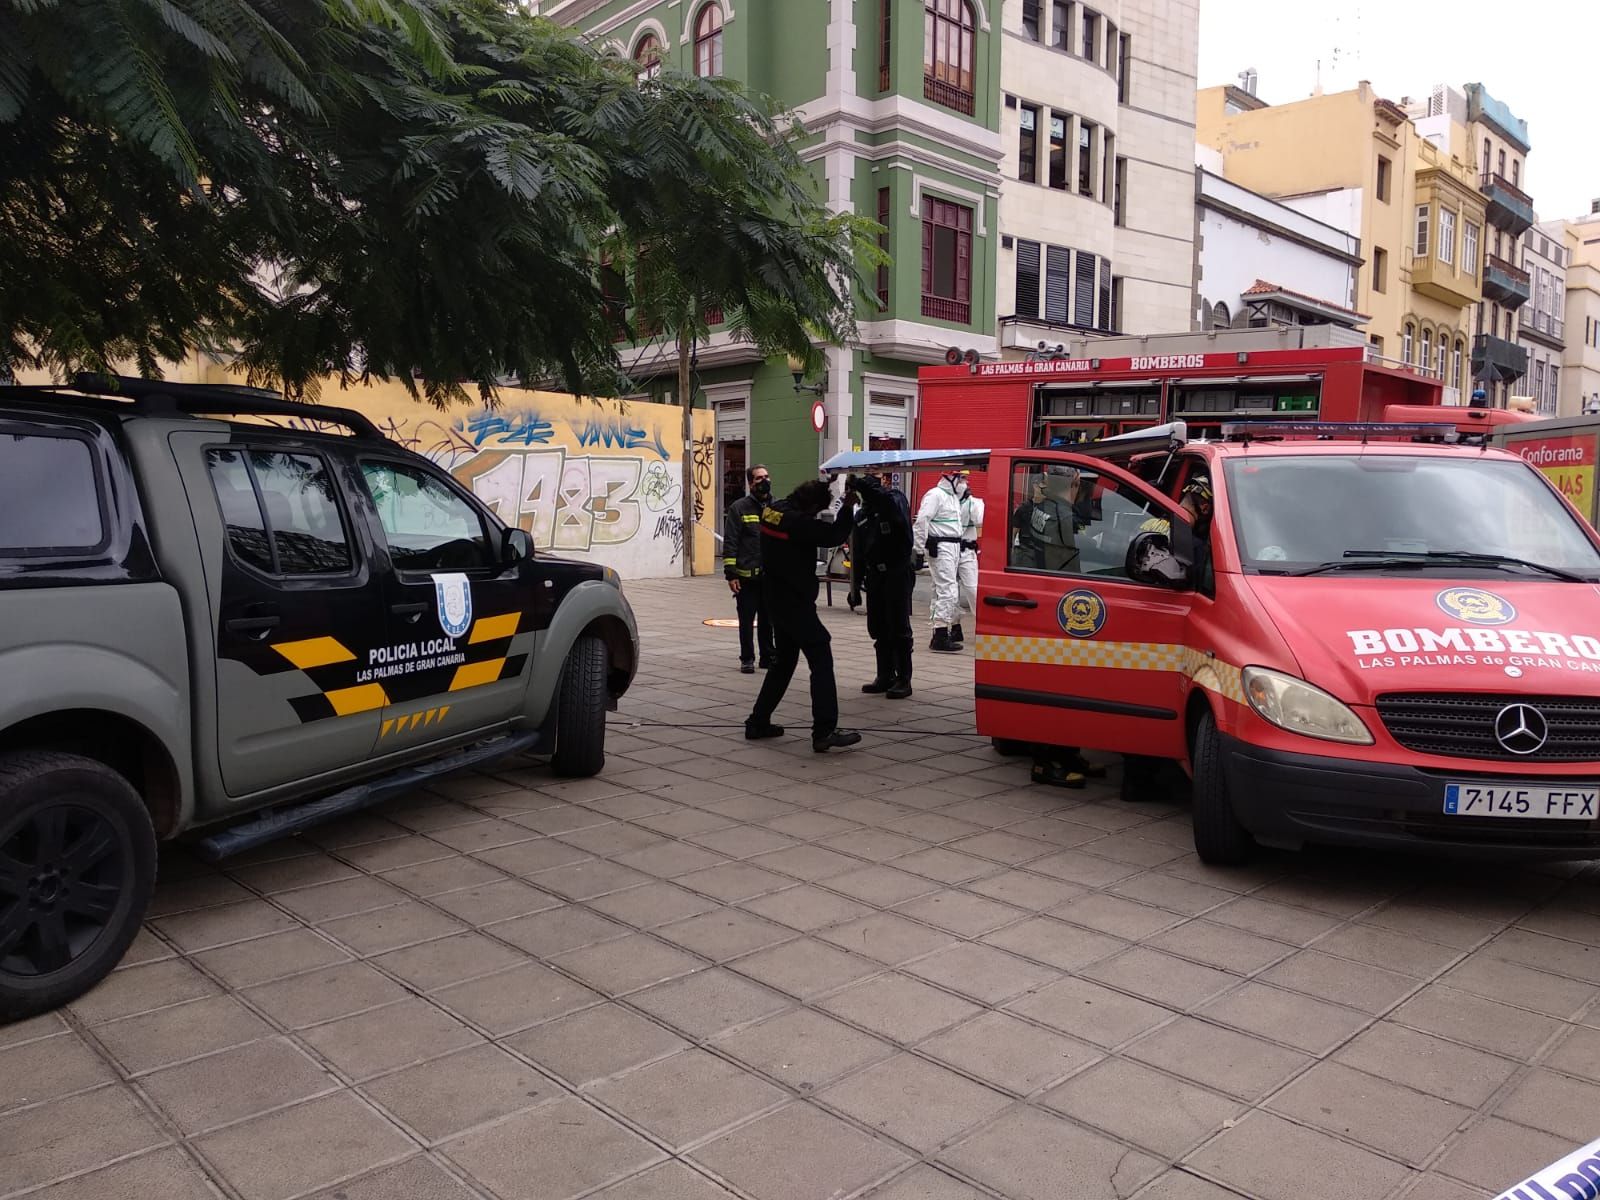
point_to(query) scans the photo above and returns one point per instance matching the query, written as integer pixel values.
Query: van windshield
(1303, 514)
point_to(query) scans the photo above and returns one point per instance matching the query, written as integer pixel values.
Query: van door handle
(411, 612)
(254, 628)
(1011, 601)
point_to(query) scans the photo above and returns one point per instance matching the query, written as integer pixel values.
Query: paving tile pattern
(726, 969)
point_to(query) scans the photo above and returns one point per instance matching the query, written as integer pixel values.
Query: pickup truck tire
(581, 711)
(1219, 838)
(77, 865)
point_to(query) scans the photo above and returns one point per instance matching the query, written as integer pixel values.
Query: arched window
(1441, 353)
(647, 57)
(1455, 364)
(708, 41)
(1487, 157)
(949, 51)
(1407, 337)
(1220, 318)
(1425, 361)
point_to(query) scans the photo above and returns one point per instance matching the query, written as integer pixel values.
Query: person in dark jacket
(883, 556)
(741, 566)
(792, 532)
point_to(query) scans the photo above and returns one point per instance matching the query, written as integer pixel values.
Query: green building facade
(901, 101)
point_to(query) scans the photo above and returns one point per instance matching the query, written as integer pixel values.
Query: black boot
(900, 689)
(885, 676)
(941, 642)
(839, 739)
(957, 638)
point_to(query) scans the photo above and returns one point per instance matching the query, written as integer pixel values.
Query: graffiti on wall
(595, 479)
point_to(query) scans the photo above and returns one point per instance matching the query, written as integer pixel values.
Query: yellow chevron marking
(387, 726)
(492, 629)
(349, 701)
(471, 675)
(314, 652)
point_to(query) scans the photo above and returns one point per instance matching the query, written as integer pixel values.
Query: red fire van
(1386, 636)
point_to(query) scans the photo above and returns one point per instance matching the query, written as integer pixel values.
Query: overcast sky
(1541, 57)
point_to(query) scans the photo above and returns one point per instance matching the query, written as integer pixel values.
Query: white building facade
(1541, 326)
(1096, 196)
(1580, 369)
(1260, 262)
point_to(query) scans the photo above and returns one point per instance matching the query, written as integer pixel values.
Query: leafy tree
(410, 189)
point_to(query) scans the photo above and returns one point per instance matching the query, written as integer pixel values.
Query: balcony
(951, 96)
(1443, 282)
(1510, 208)
(1507, 284)
(1495, 360)
(941, 308)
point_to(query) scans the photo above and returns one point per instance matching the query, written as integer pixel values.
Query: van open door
(1079, 642)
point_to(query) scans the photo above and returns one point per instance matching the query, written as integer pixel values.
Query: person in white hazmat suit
(938, 531)
(967, 571)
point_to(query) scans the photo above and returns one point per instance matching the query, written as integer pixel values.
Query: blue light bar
(1334, 430)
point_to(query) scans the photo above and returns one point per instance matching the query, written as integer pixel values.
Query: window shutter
(1027, 279)
(927, 247)
(1083, 313)
(1104, 321)
(964, 260)
(1057, 284)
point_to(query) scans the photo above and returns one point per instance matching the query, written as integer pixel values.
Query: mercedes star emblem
(1521, 729)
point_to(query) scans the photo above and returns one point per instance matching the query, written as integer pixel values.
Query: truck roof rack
(1342, 431)
(218, 399)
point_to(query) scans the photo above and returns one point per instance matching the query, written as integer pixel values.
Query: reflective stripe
(1210, 673)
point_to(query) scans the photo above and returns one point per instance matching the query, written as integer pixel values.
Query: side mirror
(1154, 558)
(516, 546)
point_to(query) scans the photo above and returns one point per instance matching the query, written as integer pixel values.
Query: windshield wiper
(1357, 560)
(1471, 558)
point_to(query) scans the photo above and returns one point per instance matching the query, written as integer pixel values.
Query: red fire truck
(1061, 401)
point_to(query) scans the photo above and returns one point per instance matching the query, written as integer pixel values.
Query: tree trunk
(685, 398)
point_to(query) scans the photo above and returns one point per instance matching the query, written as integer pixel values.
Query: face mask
(761, 489)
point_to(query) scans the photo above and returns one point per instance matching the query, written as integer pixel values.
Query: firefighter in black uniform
(883, 556)
(741, 565)
(792, 532)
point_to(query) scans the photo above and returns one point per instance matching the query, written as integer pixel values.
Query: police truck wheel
(77, 864)
(1011, 748)
(1219, 838)
(581, 711)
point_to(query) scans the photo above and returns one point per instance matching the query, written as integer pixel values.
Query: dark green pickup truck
(240, 629)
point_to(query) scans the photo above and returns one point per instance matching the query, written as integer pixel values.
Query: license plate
(1495, 800)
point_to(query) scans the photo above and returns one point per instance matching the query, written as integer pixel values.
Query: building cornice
(853, 112)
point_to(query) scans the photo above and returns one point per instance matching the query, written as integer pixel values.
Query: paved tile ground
(725, 969)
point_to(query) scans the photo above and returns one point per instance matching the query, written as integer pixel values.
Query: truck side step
(274, 824)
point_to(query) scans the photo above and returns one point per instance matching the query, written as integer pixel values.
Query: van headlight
(1295, 705)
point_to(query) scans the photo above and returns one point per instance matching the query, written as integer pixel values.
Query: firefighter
(882, 557)
(741, 565)
(938, 533)
(792, 531)
(1053, 520)
(967, 568)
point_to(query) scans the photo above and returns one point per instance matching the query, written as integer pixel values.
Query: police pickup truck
(211, 621)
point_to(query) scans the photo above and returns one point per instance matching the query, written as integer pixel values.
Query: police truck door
(1071, 650)
(462, 618)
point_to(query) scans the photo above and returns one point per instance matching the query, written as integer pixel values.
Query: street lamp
(797, 368)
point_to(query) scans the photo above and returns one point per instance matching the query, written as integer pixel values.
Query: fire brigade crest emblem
(1082, 614)
(1476, 607)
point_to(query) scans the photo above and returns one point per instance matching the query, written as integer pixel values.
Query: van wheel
(581, 711)
(1219, 838)
(1011, 748)
(77, 864)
